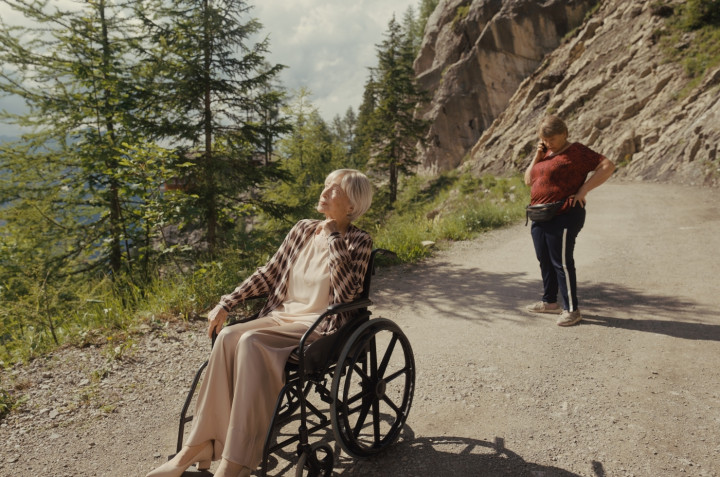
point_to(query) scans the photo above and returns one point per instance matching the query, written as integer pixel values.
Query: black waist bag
(542, 212)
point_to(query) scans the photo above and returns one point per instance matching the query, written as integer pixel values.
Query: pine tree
(343, 131)
(74, 71)
(427, 7)
(74, 200)
(215, 102)
(395, 129)
(412, 30)
(364, 130)
(307, 155)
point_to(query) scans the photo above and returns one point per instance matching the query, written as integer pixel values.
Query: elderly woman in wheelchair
(320, 263)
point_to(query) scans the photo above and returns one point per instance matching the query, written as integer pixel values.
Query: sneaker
(542, 307)
(569, 318)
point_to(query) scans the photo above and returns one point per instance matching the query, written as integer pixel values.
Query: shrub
(699, 13)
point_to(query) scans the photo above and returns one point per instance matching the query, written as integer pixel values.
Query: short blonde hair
(356, 186)
(551, 126)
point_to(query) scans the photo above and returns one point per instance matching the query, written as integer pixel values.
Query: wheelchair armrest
(343, 307)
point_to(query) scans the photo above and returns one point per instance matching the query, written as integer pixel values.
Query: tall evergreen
(74, 71)
(72, 198)
(427, 7)
(307, 155)
(215, 103)
(394, 129)
(343, 130)
(364, 134)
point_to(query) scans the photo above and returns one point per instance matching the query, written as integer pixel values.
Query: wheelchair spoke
(361, 373)
(373, 359)
(386, 358)
(376, 420)
(374, 393)
(361, 419)
(396, 374)
(392, 405)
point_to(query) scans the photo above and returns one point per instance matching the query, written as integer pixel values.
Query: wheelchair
(365, 375)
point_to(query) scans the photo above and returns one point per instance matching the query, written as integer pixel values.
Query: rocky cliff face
(474, 55)
(618, 95)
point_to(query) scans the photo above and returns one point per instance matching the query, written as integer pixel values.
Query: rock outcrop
(474, 56)
(619, 95)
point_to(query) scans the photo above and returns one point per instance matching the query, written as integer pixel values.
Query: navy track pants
(554, 242)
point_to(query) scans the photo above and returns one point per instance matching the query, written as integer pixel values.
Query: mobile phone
(544, 147)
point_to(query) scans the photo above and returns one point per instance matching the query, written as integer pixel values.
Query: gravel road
(633, 390)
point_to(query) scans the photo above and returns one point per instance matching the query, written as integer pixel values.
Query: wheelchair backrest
(371, 270)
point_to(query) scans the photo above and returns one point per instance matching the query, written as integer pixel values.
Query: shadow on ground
(439, 456)
(476, 295)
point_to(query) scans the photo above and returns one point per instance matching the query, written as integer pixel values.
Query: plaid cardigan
(349, 257)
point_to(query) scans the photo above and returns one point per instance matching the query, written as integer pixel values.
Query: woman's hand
(216, 319)
(541, 149)
(578, 198)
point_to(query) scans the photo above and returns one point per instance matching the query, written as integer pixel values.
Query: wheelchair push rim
(372, 388)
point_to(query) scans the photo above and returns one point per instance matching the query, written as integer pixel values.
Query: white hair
(356, 186)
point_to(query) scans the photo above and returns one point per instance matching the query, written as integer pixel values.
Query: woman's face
(334, 202)
(555, 142)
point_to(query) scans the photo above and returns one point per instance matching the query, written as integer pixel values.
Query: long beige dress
(245, 373)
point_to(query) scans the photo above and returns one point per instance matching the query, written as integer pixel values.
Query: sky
(327, 46)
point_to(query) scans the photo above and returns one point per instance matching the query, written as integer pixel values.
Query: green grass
(691, 37)
(448, 208)
(452, 206)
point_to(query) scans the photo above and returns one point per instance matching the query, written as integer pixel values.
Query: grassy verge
(690, 37)
(442, 209)
(448, 208)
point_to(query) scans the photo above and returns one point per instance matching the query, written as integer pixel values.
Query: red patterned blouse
(556, 177)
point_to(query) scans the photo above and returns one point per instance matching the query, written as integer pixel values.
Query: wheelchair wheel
(318, 464)
(372, 388)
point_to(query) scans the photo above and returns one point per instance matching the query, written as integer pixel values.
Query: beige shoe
(231, 469)
(569, 318)
(542, 307)
(175, 467)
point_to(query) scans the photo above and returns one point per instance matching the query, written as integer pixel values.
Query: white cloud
(327, 45)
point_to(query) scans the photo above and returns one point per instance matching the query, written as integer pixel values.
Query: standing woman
(320, 263)
(559, 173)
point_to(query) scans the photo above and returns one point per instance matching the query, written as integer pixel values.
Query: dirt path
(634, 390)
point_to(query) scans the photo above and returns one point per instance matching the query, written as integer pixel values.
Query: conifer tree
(72, 193)
(395, 129)
(343, 131)
(74, 71)
(307, 155)
(364, 134)
(214, 102)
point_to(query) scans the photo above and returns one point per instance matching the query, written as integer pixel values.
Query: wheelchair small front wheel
(319, 463)
(372, 387)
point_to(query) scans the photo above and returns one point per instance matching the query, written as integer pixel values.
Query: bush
(699, 13)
